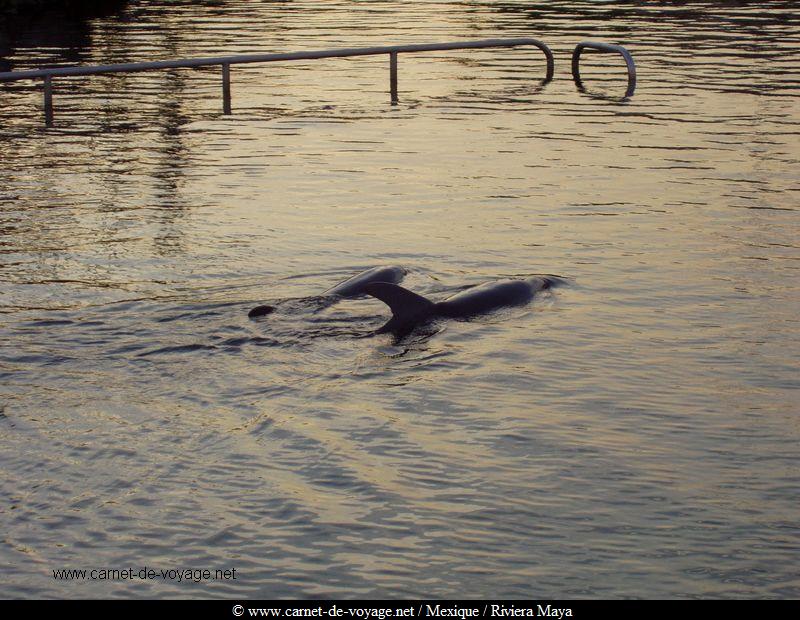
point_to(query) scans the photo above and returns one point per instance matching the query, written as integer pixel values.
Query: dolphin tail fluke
(407, 308)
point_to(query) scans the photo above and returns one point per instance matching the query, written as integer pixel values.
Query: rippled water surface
(633, 433)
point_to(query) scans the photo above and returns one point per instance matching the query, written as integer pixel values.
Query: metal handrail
(225, 62)
(604, 47)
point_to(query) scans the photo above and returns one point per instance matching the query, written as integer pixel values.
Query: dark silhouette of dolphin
(356, 285)
(410, 309)
(352, 287)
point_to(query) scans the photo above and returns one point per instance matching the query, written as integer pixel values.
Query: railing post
(226, 88)
(48, 100)
(551, 64)
(393, 77)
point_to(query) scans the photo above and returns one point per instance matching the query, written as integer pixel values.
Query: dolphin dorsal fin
(407, 308)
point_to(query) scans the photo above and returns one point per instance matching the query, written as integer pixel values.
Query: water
(634, 433)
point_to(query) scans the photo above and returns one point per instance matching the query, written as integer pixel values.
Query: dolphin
(355, 286)
(352, 287)
(409, 309)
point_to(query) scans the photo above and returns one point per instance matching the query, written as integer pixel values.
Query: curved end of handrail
(548, 54)
(604, 47)
(551, 65)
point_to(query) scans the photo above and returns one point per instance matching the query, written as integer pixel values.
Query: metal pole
(48, 100)
(393, 77)
(226, 61)
(226, 88)
(250, 58)
(604, 47)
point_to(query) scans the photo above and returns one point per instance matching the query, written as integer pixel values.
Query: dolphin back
(356, 285)
(491, 296)
(407, 308)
